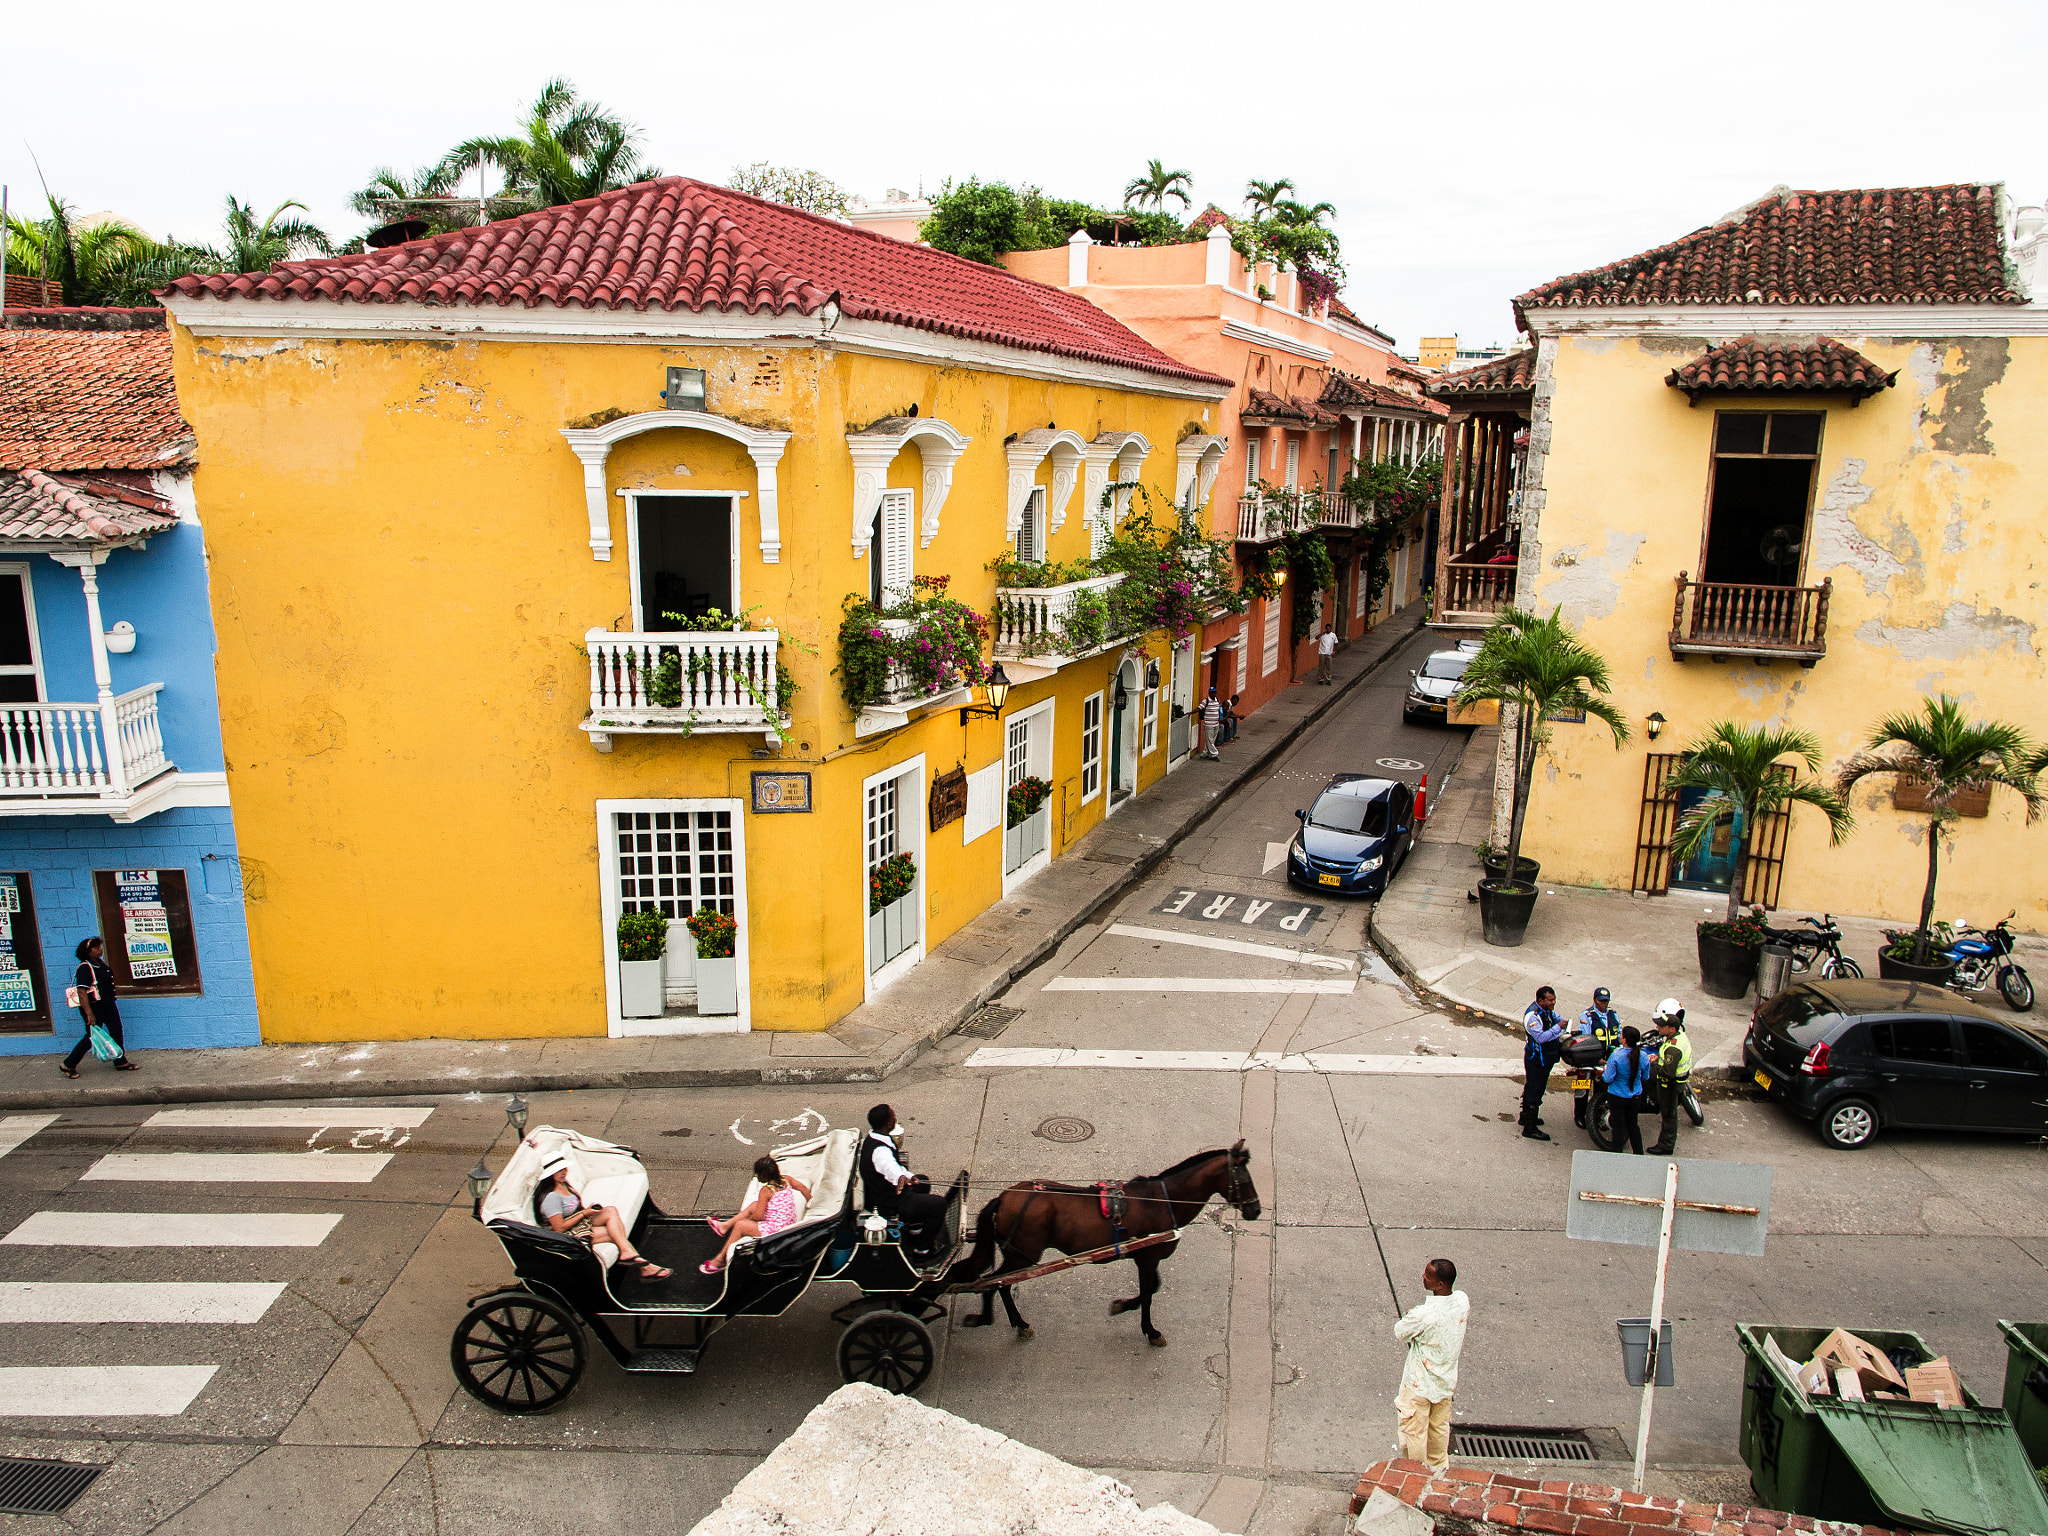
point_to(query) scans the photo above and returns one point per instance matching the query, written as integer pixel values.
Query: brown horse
(1026, 1219)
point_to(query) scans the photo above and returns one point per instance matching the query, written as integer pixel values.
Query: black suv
(1855, 1056)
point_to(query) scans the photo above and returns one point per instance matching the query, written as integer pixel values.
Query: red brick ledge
(1578, 1509)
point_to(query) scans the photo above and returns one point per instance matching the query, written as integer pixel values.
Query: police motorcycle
(1584, 1058)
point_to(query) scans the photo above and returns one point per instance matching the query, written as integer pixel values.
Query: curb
(860, 1071)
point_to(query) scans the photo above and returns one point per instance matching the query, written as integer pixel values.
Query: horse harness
(1112, 1199)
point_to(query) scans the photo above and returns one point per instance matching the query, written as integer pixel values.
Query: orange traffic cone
(1422, 801)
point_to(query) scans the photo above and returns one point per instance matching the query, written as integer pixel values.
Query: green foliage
(981, 220)
(811, 191)
(1024, 799)
(665, 687)
(715, 932)
(1744, 928)
(1738, 767)
(642, 935)
(1157, 185)
(890, 881)
(1950, 754)
(91, 266)
(1176, 577)
(1012, 572)
(1311, 568)
(1291, 234)
(939, 649)
(567, 149)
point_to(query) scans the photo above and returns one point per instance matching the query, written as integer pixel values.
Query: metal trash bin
(1773, 965)
(2026, 1386)
(1891, 1464)
(1635, 1350)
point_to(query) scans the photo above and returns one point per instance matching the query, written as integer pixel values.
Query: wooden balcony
(1039, 623)
(54, 758)
(1473, 593)
(1724, 620)
(681, 683)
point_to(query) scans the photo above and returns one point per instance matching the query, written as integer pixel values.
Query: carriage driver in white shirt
(890, 1187)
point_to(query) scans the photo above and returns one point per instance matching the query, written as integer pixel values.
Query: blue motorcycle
(1983, 956)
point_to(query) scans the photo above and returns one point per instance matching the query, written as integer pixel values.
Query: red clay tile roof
(1511, 375)
(1753, 364)
(681, 244)
(1346, 392)
(89, 400)
(1890, 245)
(64, 509)
(1293, 411)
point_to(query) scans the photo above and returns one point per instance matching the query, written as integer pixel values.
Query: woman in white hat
(563, 1209)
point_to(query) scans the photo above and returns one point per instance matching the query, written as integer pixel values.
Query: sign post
(1702, 1206)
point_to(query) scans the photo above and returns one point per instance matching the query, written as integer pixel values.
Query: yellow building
(480, 511)
(1437, 352)
(1786, 469)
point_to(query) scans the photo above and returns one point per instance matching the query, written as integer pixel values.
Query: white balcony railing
(1265, 516)
(60, 751)
(1041, 621)
(683, 681)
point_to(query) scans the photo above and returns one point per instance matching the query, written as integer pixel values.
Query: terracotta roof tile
(679, 244)
(1292, 410)
(1346, 392)
(64, 509)
(1511, 375)
(1752, 364)
(89, 400)
(1888, 245)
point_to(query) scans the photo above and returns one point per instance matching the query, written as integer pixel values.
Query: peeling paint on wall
(1963, 631)
(1838, 541)
(1589, 586)
(1962, 369)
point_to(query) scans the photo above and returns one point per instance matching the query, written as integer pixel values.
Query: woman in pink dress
(774, 1208)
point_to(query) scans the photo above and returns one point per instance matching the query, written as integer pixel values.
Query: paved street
(247, 1310)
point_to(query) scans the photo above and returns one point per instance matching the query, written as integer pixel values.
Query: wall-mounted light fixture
(1152, 672)
(121, 638)
(998, 691)
(685, 390)
(1123, 698)
(1656, 724)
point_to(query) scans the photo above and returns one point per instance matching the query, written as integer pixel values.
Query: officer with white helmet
(1673, 1071)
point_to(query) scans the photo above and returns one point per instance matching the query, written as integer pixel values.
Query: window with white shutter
(1251, 463)
(1031, 531)
(1293, 462)
(1270, 662)
(1091, 746)
(889, 558)
(1148, 722)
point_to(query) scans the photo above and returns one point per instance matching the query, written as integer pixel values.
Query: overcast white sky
(1472, 150)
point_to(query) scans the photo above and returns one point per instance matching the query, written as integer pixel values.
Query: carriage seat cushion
(825, 1165)
(602, 1173)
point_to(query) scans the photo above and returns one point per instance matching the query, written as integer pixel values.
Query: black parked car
(1860, 1056)
(1354, 837)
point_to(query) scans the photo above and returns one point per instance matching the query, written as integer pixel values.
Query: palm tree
(257, 247)
(1301, 216)
(87, 264)
(429, 194)
(1157, 185)
(567, 150)
(1948, 755)
(1265, 196)
(1541, 667)
(1737, 765)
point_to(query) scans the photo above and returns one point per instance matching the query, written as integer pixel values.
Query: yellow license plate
(1582, 1082)
(1763, 1080)
(1329, 880)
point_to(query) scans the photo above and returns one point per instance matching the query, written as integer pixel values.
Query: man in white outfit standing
(1434, 1332)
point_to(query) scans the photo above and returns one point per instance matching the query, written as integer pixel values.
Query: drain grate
(42, 1487)
(989, 1022)
(1492, 1442)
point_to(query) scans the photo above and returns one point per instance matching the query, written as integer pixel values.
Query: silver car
(1430, 689)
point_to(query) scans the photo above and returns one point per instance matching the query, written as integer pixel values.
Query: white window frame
(616, 1026)
(35, 641)
(732, 542)
(1148, 719)
(1091, 736)
(1040, 719)
(1033, 519)
(1269, 638)
(1251, 463)
(902, 503)
(910, 839)
(1293, 461)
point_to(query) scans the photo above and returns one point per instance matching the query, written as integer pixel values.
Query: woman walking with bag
(92, 990)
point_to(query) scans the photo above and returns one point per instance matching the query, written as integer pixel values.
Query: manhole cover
(1065, 1128)
(30, 1487)
(989, 1022)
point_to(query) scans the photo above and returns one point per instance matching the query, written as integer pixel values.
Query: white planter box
(718, 985)
(641, 984)
(892, 928)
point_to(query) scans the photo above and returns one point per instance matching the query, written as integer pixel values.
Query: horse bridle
(1234, 1194)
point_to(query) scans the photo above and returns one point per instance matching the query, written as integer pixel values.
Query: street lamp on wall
(998, 690)
(685, 390)
(1655, 724)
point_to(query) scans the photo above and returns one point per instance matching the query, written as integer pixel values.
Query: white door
(674, 862)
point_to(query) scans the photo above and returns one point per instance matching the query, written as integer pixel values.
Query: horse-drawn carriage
(520, 1349)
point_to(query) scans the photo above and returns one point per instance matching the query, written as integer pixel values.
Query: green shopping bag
(103, 1043)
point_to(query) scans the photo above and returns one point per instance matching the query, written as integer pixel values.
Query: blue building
(114, 814)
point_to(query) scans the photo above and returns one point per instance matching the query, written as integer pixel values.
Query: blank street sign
(1700, 1182)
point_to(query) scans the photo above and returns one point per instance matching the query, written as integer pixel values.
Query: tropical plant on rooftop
(1946, 754)
(89, 263)
(1157, 185)
(257, 245)
(433, 195)
(565, 150)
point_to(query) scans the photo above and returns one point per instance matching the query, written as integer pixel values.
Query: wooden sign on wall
(949, 797)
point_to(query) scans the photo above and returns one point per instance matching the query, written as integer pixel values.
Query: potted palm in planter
(1541, 667)
(891, 926)
(1738, 766)
(718, 971)
(1945, 755)
(643, 979)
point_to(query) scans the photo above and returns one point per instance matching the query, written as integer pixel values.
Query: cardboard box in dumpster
(1935, 1382)
(1874, 1369)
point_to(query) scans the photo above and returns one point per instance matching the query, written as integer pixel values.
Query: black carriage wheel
(517, 1354)
(890, 1350)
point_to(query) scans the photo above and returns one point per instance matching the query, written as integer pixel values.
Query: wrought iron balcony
(1729, 619)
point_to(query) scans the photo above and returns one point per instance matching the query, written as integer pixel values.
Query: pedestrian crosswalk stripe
(1321, 1062)
(163, 1229)
(374, 1117)
(16, 1129)
(134, 1302)
(1228, 946)
(241, 1167)
(1326, 984)
(100, 1391)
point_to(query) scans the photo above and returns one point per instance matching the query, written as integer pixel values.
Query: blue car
(1354, 837)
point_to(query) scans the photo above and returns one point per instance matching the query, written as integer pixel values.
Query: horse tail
(979, 1261)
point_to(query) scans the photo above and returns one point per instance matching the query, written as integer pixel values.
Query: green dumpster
(2026, 1385)
(1881, 1463)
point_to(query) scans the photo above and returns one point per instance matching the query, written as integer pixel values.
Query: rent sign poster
(146, 924)
(17, 993)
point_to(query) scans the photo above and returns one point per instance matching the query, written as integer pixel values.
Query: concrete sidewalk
(976, 964)
(1639, 947)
